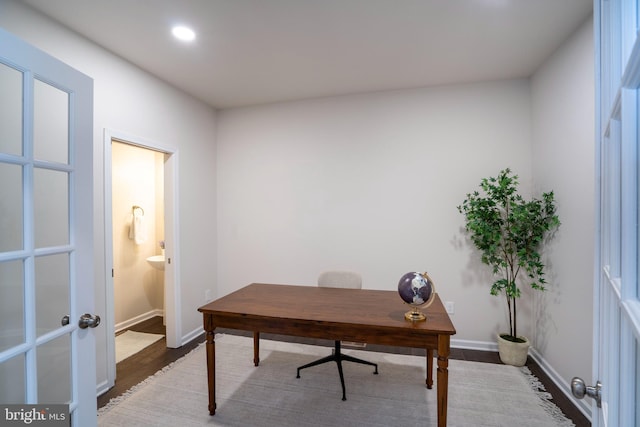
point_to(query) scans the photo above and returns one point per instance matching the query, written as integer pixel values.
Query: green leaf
(509, 231)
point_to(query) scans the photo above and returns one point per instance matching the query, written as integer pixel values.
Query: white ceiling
(261, 51)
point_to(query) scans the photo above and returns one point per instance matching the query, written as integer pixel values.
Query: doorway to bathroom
(141, 239)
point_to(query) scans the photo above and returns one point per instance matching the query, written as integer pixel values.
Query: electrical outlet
(448, 305)
(207, 295)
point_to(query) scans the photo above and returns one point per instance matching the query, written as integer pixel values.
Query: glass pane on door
(52, 291)
(10, 110)
(50, 123)
(51, 208)
(12, 380)
(11, 305)
(54, 371)
(11, 208)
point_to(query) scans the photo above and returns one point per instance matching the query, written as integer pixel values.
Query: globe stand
(415, 315)
(418, 291)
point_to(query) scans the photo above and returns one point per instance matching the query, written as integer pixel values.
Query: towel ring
(133, 209)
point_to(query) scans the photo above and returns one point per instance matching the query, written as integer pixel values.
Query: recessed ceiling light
(183, 33)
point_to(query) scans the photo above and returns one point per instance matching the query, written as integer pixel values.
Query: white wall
(369, 183)
(131, 101)
(563, 114)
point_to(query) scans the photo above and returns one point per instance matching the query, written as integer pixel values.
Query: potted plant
(509, 231)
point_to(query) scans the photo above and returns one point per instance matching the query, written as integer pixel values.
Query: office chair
(339, 279)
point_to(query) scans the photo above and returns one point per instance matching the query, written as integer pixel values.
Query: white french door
(617, 293)
(47, 353)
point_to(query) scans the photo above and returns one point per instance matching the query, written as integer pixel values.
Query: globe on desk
(417, 290)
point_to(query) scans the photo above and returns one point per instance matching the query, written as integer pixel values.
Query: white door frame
(172, 310)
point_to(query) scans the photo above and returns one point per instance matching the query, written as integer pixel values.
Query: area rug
(480, 394)
(129, 343)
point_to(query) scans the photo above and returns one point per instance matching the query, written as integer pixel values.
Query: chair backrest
(340, 279)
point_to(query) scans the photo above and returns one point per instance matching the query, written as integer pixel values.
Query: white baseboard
(141, 318)
(191, 336)
(102, 388)
(474, 345)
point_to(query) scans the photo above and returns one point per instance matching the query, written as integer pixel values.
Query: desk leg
(211, 363)
(443, 378)
(429, 368)
(256, 348)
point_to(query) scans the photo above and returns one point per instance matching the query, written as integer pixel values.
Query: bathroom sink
(156, 261)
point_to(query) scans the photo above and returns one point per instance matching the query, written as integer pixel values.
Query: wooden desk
(360, 315)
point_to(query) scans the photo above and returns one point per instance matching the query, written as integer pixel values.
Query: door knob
(580, 390)
(65, 320)
(88, 321)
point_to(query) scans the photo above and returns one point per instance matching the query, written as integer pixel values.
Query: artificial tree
(509, 231)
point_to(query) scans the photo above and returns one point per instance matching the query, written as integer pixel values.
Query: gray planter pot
(513, 353)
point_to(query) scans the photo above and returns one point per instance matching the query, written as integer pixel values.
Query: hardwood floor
(138, 367)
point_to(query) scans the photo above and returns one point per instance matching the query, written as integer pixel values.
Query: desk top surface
(364, 307)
